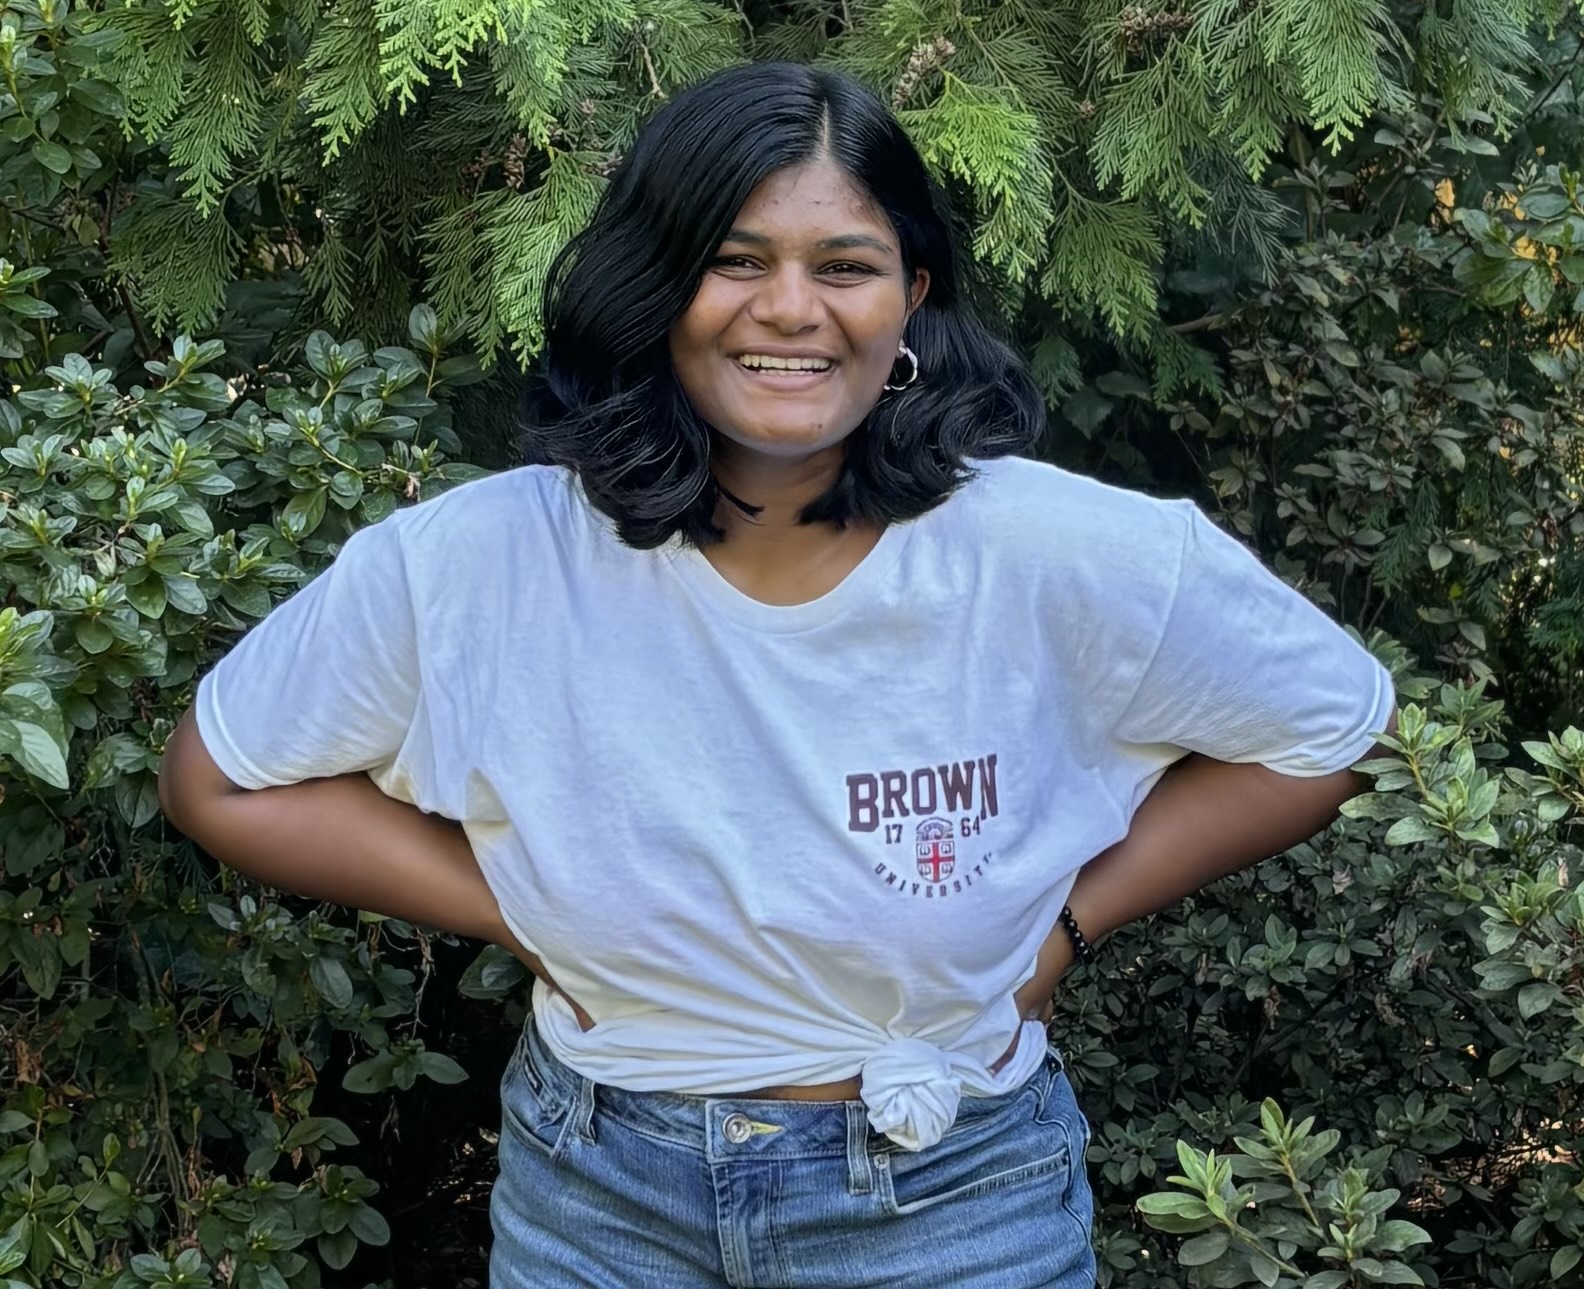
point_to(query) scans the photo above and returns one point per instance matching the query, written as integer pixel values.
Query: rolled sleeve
(1248, 670)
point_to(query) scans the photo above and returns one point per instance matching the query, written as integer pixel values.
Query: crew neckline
(707, 584)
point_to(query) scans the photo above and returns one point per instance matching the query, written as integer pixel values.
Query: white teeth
(768, 362)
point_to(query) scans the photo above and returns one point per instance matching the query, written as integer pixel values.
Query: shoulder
(527, 494)
(1097, 565)
(512, 529)
(1076, 522)
(490, 515)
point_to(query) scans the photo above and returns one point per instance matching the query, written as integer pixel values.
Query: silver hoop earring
(904, 352)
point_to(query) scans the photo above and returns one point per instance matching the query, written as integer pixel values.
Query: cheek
(689, 359)
(696, 334)
(875, 344)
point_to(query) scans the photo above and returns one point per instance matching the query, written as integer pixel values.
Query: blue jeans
(608, 1189)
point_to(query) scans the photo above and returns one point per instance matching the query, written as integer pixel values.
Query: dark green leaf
(36, 750)
(441, 1068)
(248, 598)
(369, 1226)
(331, 980)
(147, 596)
(28, 306)
(52, 156)
(337, 1250)
(423, 327)
(372, 1075)
(1088, 409)
(12, 1252)
(1544, 204)
(1538, 288)
(183, 594)
(304, 512)
(317, 351)
(93, 635)
(1203, 1249)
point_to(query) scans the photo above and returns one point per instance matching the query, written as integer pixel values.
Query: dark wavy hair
(606, 402)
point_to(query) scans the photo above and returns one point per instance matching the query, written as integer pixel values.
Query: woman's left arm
(1267, 701)
(1203, 820)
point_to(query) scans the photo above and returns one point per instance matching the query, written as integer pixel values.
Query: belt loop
(526, 1060)
(583, 1110)
(1053, 1055)
(859, 1179)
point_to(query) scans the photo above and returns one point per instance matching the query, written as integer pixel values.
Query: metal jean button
(737, 1128)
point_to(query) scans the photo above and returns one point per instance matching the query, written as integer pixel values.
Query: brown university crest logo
(937, 852)
(951, 803)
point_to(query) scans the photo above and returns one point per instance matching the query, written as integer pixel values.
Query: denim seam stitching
(516, 1123)
(984, 1186)
(659, 1139)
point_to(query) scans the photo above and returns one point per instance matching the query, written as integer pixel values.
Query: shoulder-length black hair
(607, 403)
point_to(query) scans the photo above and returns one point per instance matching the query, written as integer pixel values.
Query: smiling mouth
(768, 365)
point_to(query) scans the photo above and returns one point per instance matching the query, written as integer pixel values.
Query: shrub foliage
(1319, 261)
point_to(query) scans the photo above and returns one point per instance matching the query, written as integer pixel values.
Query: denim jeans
(608, 1189)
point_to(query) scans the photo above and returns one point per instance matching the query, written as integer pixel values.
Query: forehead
(809, 201)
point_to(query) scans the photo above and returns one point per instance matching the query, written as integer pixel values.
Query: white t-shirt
(790, 844)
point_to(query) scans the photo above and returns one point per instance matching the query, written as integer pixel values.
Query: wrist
(1086, 911)
(1077, 942)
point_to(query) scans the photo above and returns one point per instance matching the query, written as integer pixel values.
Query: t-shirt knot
(912, 1092)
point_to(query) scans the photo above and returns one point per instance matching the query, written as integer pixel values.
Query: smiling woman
(798, 735)
(794, 331)
(777, 214)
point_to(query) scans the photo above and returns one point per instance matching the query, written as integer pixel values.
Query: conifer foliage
(1319, 262)
(446, 148)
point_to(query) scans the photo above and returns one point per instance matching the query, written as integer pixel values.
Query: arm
(1267, 695)
(301, 712)
(338, 839)
(1203, 820)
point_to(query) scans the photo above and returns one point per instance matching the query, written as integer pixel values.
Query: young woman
(799, 733)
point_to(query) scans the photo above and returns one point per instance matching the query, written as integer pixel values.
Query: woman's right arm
(269, 771)
(302, 710)
(338, 839)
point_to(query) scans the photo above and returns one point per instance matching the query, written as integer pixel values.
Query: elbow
(189, 781)
(1381, 749)
(174, 798)
(169, 790)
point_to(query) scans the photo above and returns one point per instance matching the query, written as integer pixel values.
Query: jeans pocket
(1060, 1109)
(1011, 1148)
(531, 1111)
(1079, 1199)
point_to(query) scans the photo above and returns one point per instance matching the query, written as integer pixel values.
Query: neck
(769, 555)
(778, 488)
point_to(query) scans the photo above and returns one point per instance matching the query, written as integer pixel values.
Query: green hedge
(1366, 357)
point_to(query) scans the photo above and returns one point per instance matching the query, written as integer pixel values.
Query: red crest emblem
(935, 850)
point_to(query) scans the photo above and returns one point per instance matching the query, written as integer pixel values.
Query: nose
(786, 301)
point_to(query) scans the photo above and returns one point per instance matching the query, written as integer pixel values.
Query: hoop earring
(904, 352)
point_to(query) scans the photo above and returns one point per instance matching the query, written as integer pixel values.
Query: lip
(781, 351)
(783, 382)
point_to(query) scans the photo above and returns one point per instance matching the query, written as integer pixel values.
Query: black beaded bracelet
(1081, 947)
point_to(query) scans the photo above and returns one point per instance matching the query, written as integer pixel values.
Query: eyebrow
(846, 242)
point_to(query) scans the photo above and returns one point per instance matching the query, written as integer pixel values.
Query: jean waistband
(724, 1127)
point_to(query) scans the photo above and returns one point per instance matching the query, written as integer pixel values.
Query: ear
(919, 289)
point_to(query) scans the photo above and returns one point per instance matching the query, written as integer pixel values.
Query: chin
(787, 440)
(791, 446)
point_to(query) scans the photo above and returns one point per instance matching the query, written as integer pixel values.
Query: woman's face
(796, 322)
